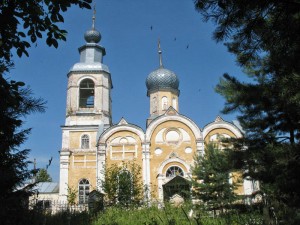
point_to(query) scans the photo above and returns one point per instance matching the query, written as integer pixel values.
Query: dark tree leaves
(35, 17)
(264, 37)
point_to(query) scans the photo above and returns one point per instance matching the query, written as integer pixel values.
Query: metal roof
(162, 79)
(47, 187)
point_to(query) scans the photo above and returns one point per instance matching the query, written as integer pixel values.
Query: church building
(90, 142)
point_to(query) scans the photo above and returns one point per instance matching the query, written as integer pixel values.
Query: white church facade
(91, 143)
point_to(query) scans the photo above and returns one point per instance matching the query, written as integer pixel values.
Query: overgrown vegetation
(123, 185)
(168, 215)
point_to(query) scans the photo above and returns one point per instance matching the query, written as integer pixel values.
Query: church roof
(91, 53)
(161, 78)
(92, 36)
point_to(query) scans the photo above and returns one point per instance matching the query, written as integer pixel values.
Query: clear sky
(131, 54)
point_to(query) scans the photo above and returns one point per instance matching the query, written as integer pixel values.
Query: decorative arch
(124, 127)
(86, 77)
(195, 129)
(219, 125)
(172, 160)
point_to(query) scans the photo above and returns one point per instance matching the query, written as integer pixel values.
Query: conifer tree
(16, 101)
(22, 24)
(43, 176)
(212, 173)
(263, 36)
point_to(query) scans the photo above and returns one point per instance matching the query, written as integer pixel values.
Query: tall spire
(94, 17)
(160, 54)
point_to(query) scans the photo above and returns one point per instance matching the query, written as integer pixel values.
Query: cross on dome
(93, 36)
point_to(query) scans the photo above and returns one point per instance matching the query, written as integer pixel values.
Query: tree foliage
(263, 37)
(256, 29)
(43, 176)
(211, 174)
(72, 196)
(123, 185)
(16, 102)
(23, 22)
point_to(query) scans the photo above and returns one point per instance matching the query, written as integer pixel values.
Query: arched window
(174, 171)
(86, 94)
(164, 103)
(174, 103)
(124, 187)
(83, 191)
(85, 141)
(154, 104)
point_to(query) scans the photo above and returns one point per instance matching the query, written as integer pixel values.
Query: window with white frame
(85, 141)
(164, 103)
(83, 191)
(43, 204)
(154, 104)
(174, 171)
(174, 103)
(123, 148)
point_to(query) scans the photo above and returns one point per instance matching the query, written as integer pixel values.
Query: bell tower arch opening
(86, 93)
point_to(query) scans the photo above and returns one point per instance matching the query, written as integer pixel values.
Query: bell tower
(88, 113)
(89, 85)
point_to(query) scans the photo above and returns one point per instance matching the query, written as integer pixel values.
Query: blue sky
(131, 48)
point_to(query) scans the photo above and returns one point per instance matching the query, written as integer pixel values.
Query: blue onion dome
(162, 79)
(92, 36)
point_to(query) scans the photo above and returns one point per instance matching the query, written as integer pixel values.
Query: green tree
(15, 103)
(211, 175)
(43, 176)
(22, 23)
(255, 30)
(71, 196)
(262, 35)
(123, 185)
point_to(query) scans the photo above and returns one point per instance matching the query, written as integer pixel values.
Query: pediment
(171, 112)
(122, 122)
(219, 119)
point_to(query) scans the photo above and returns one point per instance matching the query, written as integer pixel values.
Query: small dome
(162, 79)
(92, 36)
